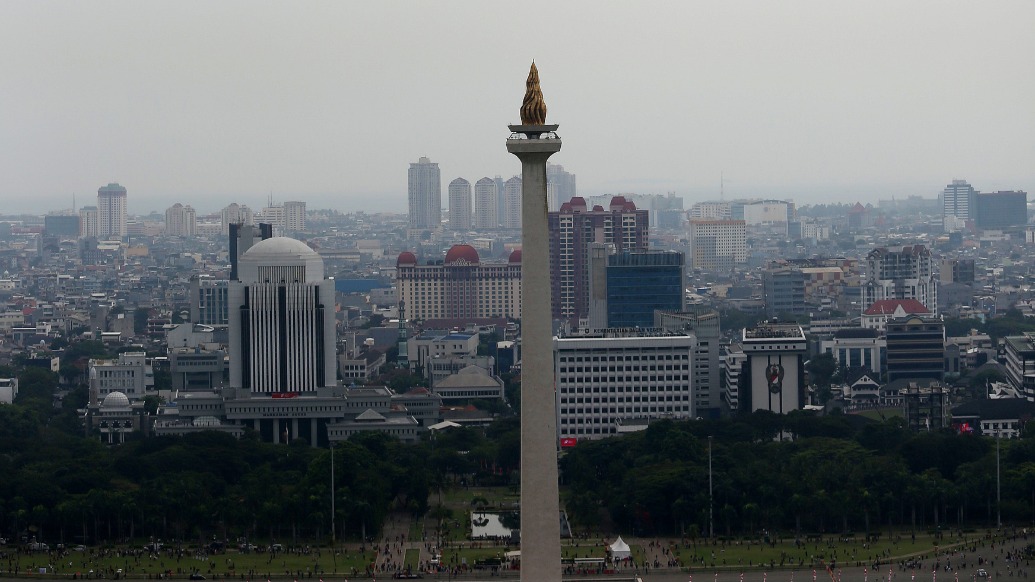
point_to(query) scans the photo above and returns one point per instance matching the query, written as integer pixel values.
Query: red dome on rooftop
(406, 258)
(515, 256)
(462, 254)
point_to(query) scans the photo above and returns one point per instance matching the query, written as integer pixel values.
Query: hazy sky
(213, 102)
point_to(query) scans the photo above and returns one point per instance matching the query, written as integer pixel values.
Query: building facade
(235, 214)
(511, 209)
(89, 221)
(485, 204)
(282, 331)
(572, 230)
(111, 212)
(915, 348)
(773, 377)
(959, 202)
(617, 376)
(425, 195)
(460, 205)
(460, 287)
(181, 220)
(635, 285)
(209, 300)
(294, 216)
(906, 272)
(717, 245)
(1002, 209)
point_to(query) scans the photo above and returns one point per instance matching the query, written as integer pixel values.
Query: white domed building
(114, 418)
(282, 342)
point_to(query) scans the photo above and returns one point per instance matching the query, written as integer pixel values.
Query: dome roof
(115, 400)
(406, 258)
(208, 421)
(515, 256)
(462, 254)
(282, 252)
(279, 246)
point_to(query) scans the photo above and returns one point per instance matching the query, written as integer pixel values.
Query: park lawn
(875, 414)
(746, 554)
(412, 560)
(231, 563)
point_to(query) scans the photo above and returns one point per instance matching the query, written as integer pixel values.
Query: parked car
(981, 573)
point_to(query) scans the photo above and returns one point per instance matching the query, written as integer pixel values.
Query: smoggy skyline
(210, 103)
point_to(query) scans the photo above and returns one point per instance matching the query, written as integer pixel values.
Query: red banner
(285, 394)
(568, 442)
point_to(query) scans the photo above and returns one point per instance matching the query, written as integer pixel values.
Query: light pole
(711, 501)
(333, 539)
(998, 489)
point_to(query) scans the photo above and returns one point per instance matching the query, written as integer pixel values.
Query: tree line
(796, 474)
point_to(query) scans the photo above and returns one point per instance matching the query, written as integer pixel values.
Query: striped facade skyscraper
(282, 331)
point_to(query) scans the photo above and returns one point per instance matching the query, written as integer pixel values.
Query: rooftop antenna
(722, 186)
(73, 202)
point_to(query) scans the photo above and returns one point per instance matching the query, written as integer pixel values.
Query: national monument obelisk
(533, 142)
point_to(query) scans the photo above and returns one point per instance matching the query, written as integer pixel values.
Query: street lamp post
(998, 489)
(711, 501)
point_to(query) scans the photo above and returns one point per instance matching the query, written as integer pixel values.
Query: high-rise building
(500, 183)
(560, 185)
(282, 331)
(1002, 209)
(906, 272)
(635, 285)
(512, 203)
(425, 195)
(208, 301)
(89, 221)
(959, 202)
(294, 216)
(180, 220)
(111, 212)
(235, 214)
(717, 245)
(460, 287)
(460, 205)
(242, 237)
(486, 215)
(572, 230)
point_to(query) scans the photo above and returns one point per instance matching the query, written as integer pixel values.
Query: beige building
(460, 287)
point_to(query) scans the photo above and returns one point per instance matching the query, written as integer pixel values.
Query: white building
(717, 245)
(460, 205)
(181, 220)
(512, 203)
(959, 204)
(614, 376)
(111, 212)
(775, 368)
(130, 374)
(906, 272)
(711, 211)
(89, 221)
(425, 195)
(282, 329)
(235, 214)
(857, 348)
(769, 215)
(733, 361)
(486, 204)
(294, 216)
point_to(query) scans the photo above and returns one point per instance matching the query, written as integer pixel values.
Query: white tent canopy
(620, 550)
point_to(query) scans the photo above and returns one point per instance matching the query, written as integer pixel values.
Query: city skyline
(809, 101)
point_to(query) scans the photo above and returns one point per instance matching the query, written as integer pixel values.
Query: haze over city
(212, 103)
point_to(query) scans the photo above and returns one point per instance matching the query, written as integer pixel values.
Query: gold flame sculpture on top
(533, 107)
